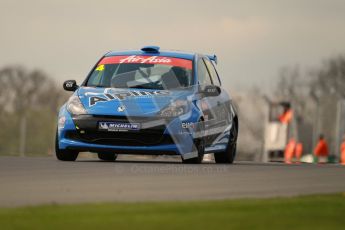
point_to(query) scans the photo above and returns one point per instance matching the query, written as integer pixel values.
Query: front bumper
(156, 136)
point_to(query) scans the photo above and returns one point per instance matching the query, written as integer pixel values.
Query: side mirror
(70, 85)
(211, 91)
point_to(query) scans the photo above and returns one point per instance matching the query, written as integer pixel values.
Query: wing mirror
(70, 85)
(211, 91)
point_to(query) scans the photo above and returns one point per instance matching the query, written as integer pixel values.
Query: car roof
(165, 53)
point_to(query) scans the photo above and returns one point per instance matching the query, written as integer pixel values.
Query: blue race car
(149, 102)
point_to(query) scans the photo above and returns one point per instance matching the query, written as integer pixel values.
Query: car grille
(90, 133)
(120, 138)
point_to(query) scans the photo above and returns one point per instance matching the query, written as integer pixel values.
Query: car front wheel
(199, 147)
(64, 154)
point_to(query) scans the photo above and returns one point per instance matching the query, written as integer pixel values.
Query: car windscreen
(143, 72)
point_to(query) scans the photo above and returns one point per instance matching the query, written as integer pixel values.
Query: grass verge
(306, 212)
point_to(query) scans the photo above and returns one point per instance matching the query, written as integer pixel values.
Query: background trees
(28, 102)
(318, 99)
(316, 96)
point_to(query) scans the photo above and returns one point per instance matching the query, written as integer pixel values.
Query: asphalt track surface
(33, 181)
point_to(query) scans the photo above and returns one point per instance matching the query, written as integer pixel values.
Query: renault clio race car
(149, 102)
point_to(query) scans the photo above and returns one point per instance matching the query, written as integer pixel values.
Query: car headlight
(175, 109)
(74, 106)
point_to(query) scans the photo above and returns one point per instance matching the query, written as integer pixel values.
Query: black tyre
(199, 146)
(228, 156)
(107, 156)
(64, 154)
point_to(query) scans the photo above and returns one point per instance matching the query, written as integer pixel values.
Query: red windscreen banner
(134, 59)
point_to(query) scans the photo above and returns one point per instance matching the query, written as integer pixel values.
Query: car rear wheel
(107, 156)
(64, 154)
(228, 156)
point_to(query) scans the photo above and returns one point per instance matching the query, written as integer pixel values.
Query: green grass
(308, 212)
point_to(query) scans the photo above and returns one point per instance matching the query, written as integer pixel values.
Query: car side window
(203, 74)
(213, 72)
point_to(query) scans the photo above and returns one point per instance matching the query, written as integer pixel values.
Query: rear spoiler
(213, 58)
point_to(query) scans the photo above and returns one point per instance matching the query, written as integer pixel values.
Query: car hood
(128, 102)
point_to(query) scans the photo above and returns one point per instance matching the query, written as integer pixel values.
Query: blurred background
(269, 51)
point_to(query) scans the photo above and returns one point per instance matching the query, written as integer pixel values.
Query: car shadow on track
(131, 161)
